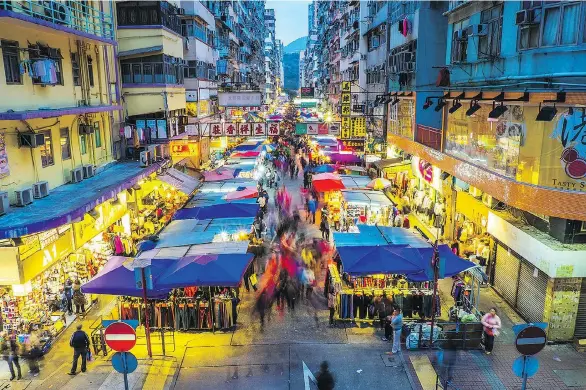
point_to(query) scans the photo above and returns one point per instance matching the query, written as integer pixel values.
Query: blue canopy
(358, 239)
(206, 270)
(116, 278)
(453, 264)
(324, 168)
(226, 210)
(246, 147)
(370, 260)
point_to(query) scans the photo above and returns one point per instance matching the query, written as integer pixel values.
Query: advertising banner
(273, 128)
(300, 128)
(217, 130)
(230, 129)
(312, 129)
(334, 129)
(239, 99)
(322, 128)
(260, 129)
(244, 129)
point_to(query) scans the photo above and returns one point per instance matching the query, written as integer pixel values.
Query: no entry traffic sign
(530, 340)
(120, 336)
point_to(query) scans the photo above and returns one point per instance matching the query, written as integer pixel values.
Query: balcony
(140, 16)
(151, 70)
(75, 17)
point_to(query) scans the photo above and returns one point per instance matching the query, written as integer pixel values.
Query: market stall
(364, 206)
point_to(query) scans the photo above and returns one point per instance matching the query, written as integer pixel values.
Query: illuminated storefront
(402, 118)
(548, 154)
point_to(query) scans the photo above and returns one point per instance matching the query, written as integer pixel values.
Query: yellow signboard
(43, 259)
(346, 110)
(345, 128)
(183, 148)
(359, 126)
(346, 98)
(346, 86)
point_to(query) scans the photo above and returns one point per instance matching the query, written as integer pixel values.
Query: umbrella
(219, 174)
(206, 270)
(325, 182)
(379, 184)
(117, 278)
(244, 193)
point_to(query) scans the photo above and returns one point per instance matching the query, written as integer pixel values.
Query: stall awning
(344, 158)
(325, 182)
(181, 181)
(400, 236)
(358, 239)
(226, 185)
(355, 181)
(194, 232)
(379, 259)
(215, 211)
(206, 270)
(380, 164)
(116, 278)
(68, 203)
(207, 199)
(192, 250)
(245, 147)
(366, 198)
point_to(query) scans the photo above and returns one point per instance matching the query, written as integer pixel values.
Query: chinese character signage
(322, 128)
(312, 129)
(334, 129)
(239, 99)
(346, 127)
(300, 128)
(230, 129)
(192, 129)
(273, 128)
(346, 86)
(217, 130)
(307, 92)
(244, 129)
(260, 129)
(355, 145)
(359, 126)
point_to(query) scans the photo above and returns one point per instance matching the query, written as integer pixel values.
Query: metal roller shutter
(506, 274)
(580, 332)
(531, 293)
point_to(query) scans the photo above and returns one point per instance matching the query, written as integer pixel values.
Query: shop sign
(570, 131)
(48, 237)
(346, 86)
(260, 129)
(9, 266)
(346, 128)
(236, 113)
(43, 259)
(307, 92)
(244, 129)
(359, 126)
(216, 130)
(191, 96)
(183, 148)
(204, 107)
(29, 245)
(312, 129)
(334, 129)
(322, 128)
(300, 128)
(230, 129)
(239, 99)
(274, 128)
(355, 145)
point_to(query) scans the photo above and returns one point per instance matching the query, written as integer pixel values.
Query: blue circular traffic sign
(124, 362)
(531, 366)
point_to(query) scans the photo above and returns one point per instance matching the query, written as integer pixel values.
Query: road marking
(424, 370)
(307, 375)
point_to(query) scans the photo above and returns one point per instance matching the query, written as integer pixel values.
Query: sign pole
(524, 384)
(125, 370)
(435, 263)
(147, 330)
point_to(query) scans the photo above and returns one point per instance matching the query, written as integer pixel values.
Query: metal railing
(97, 338)
(73, 14)
(456, 335)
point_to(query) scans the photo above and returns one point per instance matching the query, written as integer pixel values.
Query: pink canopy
(249, 153)
(219, 174)
(246, 193)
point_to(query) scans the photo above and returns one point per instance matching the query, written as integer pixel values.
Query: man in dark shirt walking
(324, 378)
(80, 343)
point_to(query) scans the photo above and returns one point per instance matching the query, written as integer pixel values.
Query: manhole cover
(391, 360)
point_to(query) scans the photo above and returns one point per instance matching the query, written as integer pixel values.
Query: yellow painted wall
(141, 101)
(27, 96)
(139, 38)
(25, 163)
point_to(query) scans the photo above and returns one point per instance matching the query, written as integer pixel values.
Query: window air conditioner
(4, 205)
(526, 16)
(86, 129)
(461, 35)
(76, 175)
(31, 140)
(24, 197)
(477, 29)
(40, 189)
(88, 171)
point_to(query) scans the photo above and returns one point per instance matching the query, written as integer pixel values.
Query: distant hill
(291, 70)
(296, 46)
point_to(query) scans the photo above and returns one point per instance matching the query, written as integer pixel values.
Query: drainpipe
(386, 108)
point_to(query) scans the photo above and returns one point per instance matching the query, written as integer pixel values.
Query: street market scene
(292, 194)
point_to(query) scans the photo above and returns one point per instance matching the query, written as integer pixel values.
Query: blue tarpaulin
(370, 260)
(358, 239)
(206, 270)
(246, 147)
(213, 211)
(324, 168)
(194, 232)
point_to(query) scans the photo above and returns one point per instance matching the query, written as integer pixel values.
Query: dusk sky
(291, 19)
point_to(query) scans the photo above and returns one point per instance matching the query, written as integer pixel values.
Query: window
(65, 144)
(11, 62)
(90, 70)
(83, 143)
(51, 59)
(550, 23)
(460, 41)
(190, 69)
(489, 45)
(47, 150)
(98, 135)
(75, 69)
(373, 41)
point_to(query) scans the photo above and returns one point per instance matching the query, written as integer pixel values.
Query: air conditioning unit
(40, 189)
(526, 16)
(145, 158)
(477, 29)
(159, 153)
(31, 140)
(76, 175)
(24, 197)
(461, 35)
(186, 43)
(4, 204)
(58, 11)
(86, 129)
(152, 149)
(88, 171)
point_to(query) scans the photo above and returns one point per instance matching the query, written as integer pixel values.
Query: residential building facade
(270, 52)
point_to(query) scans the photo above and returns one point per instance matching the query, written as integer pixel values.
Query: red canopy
(325, 182)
